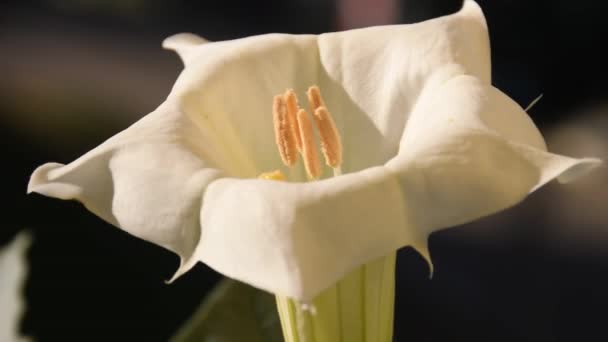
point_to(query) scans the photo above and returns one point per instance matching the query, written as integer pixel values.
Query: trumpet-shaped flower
(427, 143)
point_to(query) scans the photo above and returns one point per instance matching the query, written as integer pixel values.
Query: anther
(283, 132)
(314, 98)
(291, 101)
(331, 144)
(309, 151)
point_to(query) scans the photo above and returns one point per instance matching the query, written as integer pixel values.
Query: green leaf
(233, 312)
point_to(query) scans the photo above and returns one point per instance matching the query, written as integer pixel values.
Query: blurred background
(75, 72)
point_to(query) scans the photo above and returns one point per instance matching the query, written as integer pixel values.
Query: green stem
(358, 308)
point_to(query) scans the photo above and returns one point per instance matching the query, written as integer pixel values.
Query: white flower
(428, 144)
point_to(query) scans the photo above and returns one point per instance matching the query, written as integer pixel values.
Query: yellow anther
(283, 132)
(291, 101)
(314, 98)
(276, 175)
(309, 151)
(331, 144)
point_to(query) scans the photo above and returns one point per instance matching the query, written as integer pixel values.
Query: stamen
(314, 98)
(276, 175)
(309, 151)
(284, 135)
(291, 101)
(331, 144)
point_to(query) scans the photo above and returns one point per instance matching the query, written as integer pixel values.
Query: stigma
(276, 175)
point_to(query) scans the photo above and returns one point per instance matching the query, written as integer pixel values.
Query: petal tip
(180, 40)
(184, 266)
(43, 181)
(471, 8)
(423, 250)
(578, 169)
(40, 176)
(181, 43)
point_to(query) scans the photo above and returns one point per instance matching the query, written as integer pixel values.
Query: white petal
(469, 151)
(184, 44)
(13, 270)
(373, 77)
(148, 180)
(297, 239)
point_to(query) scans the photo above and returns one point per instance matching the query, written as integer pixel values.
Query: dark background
(73, 73)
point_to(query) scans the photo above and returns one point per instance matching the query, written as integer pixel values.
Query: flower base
(358, 308)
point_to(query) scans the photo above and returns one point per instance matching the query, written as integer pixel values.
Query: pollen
(331, 144)
(283, 131)
(276, 175)
(309, 150)
(291, 101)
